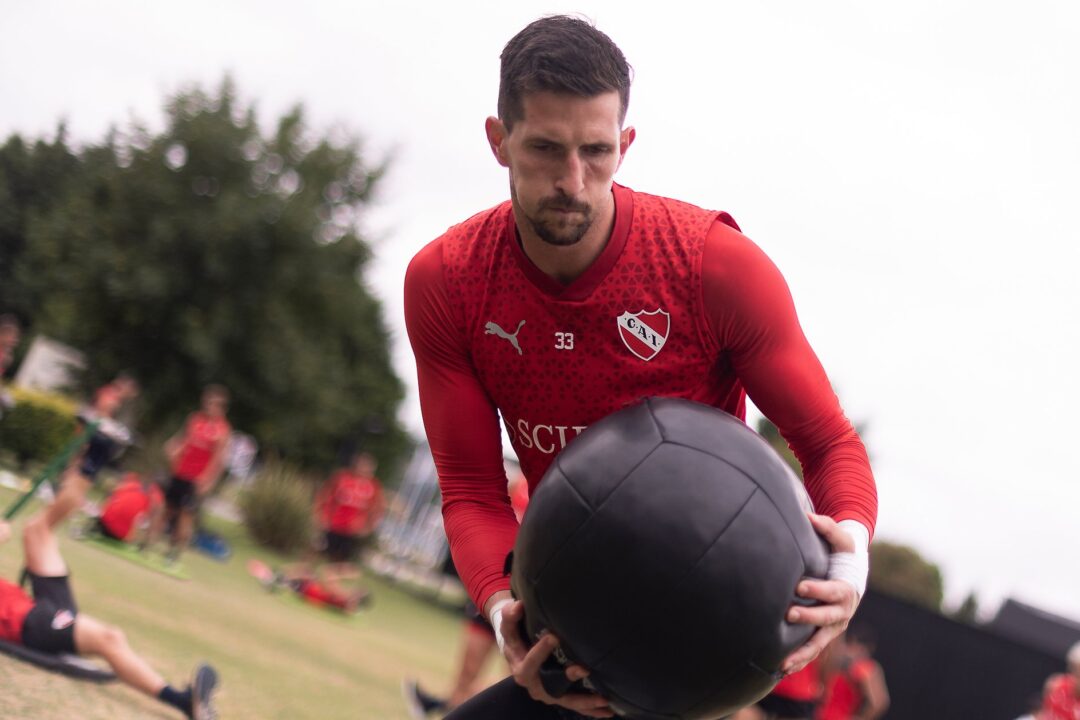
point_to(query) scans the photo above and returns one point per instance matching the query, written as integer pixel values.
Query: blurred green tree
(32, 179)
(212, 252)
(900, 571)
(968, 612)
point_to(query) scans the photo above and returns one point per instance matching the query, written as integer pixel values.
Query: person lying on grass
(303, 581)
(126, 513)
(49, 621)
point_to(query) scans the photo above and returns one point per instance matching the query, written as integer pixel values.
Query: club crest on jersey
(644, 333)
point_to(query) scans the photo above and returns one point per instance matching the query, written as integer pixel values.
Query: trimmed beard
(566, 234)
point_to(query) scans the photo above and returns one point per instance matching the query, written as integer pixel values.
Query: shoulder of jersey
(478, 224)
(673, 204)
(681, 206)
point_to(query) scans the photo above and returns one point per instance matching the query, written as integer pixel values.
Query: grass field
(277, 658)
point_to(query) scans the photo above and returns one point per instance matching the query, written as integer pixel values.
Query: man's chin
(561, 240)
(564, 235)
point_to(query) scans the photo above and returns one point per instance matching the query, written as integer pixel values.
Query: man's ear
(626, 139)
(496, 136)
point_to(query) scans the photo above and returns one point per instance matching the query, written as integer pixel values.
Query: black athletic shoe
(202, 690)
(419, 703)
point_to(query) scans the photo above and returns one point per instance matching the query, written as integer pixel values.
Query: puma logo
(493, 329)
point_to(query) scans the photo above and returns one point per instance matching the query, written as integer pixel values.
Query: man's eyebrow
(541, 138)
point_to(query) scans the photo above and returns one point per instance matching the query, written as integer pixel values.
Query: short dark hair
(560, 54)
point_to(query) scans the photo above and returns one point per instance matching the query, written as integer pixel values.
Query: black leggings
(506, 700)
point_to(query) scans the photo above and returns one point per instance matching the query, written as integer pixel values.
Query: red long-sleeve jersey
(678, 304)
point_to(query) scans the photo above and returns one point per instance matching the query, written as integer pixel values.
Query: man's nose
(572, 178)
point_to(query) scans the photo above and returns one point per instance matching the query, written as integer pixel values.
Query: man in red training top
(50, 622)
(1061, 696)
(129, 508)
(855, 684)
(579, 296)
(197, 455)
(347, 509)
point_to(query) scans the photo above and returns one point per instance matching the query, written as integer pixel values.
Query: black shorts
(99, 451)
(50, 624)
(341, 548)
(786, 708)
(181, 495)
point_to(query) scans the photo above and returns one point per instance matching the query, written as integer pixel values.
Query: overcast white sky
(913, 168)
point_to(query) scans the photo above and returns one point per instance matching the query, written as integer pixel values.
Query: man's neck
(565, 263)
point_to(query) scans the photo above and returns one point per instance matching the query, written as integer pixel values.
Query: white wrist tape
(496, 621)
(852, 567)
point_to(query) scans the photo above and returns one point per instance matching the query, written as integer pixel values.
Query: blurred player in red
(1061, 696)
(477, 642)
(103, 445)
(303, 581)
(130, 507)
(348, 507)
(578, 296)
(855, 686)
(197, 457)
(50, 622)
(795, 697)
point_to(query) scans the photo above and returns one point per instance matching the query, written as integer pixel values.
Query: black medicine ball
(663, 548)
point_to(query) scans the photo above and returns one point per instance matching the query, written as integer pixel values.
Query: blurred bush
(39, 425)
(277, 508)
